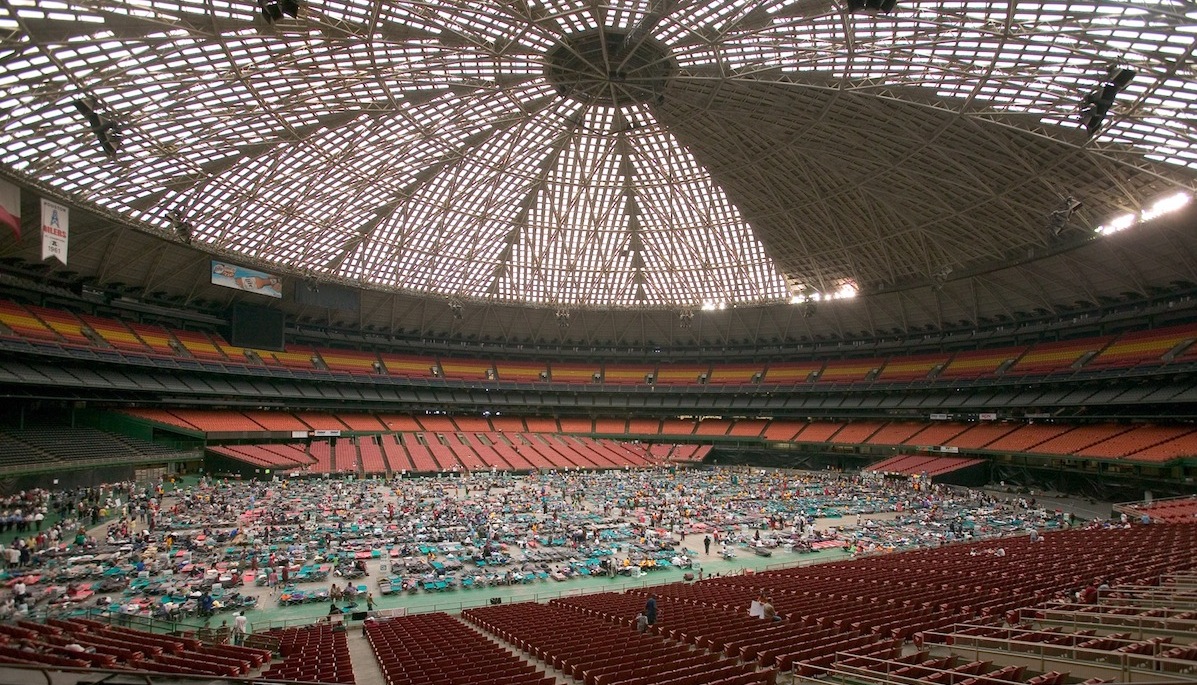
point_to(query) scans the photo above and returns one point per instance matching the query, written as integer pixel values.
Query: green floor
(270, 614)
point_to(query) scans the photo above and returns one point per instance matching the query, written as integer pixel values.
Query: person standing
(650, 609)
(706, 543)
(240, 628)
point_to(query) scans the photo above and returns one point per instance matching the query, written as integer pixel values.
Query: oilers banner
(55, 231)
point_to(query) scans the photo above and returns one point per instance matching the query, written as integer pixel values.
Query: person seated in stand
(768, 612)
(335, 593)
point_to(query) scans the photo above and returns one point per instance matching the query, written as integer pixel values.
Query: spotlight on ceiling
(872, 6)
(1097, 103)
(107, 133)
(274, 10)
(1058, 220)
(182, 227)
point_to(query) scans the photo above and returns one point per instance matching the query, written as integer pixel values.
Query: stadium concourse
(858, 567)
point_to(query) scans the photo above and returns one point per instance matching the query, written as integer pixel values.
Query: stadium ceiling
(586, 155)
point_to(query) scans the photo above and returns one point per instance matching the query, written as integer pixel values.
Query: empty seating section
(936, 433)
(361, 422)
(466, 369)
(160, 340)
(312, 654)
(522, 372)
(50, 325)
(409, 366)
(437, 423)
(855, 433)
(123, 649)
(790, 373)
(849, 371)
(1145, 347)
(738, 374)
(818, 431)
(200, 347)
(682, 374)
(628, 374)
(298, 357)
(610, 426)
(350, 361)
(1182, 509)
(783, 430)
(982, 434)
(576, 425)
(895, 433)
(1046, 358)
(575, 373)
(373, 460)
(319, 421)
(1134, 440)
(748, 428)
(912, 465)
(536, 425)
(117, 334)
(596, 651)
(429, 649)
(978, 363)
(322, 454)
(24, 324)
(63, 323)
(714, 427)
(346, 458)
(275, 420)
(510, 424)
(912, 368)
(279, 457)
(1026, 438)
(61, 444)
(395, 454)
(1081, 437)
(644, 426)
(1181, 446)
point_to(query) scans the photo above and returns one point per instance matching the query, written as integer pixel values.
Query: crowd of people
(192, 550)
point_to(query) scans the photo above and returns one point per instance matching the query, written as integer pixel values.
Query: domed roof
(626, 154)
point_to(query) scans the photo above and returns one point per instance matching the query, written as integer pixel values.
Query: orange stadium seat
(575, 373)
(1145, 347)
(627, 374)
(116, 334)
(24, 324)
(980, 363)
(521, 372)
(849, 371)
(409, 366)
(350, 361)
(682, 374)
(1044, 358)
(466, 369)
(914, 368)
(743, 374)
(785, 373)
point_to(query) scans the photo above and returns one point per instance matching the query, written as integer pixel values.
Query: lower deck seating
(316, 654)
(437, 648)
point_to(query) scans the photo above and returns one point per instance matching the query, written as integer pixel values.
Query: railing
(1124, 667)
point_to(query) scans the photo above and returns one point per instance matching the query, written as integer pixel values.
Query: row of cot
(64, 328)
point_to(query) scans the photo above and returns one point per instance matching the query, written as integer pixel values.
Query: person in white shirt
(240, 628)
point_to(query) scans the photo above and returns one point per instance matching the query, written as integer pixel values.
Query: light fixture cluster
(275, 10)
(1098, 102)
(1162, 206)
(107, 132)
(846, 291)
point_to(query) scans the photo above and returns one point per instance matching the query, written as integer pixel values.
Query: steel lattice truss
(618, 153)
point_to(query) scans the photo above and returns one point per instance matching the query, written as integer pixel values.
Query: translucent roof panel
(629, 153)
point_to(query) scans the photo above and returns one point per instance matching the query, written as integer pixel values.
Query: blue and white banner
(55, 231)
(241, 278)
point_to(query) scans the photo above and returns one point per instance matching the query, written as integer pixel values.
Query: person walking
(650, 609)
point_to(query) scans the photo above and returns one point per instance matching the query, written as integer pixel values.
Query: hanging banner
(10, 207)
(241, 278)
(55, 229)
